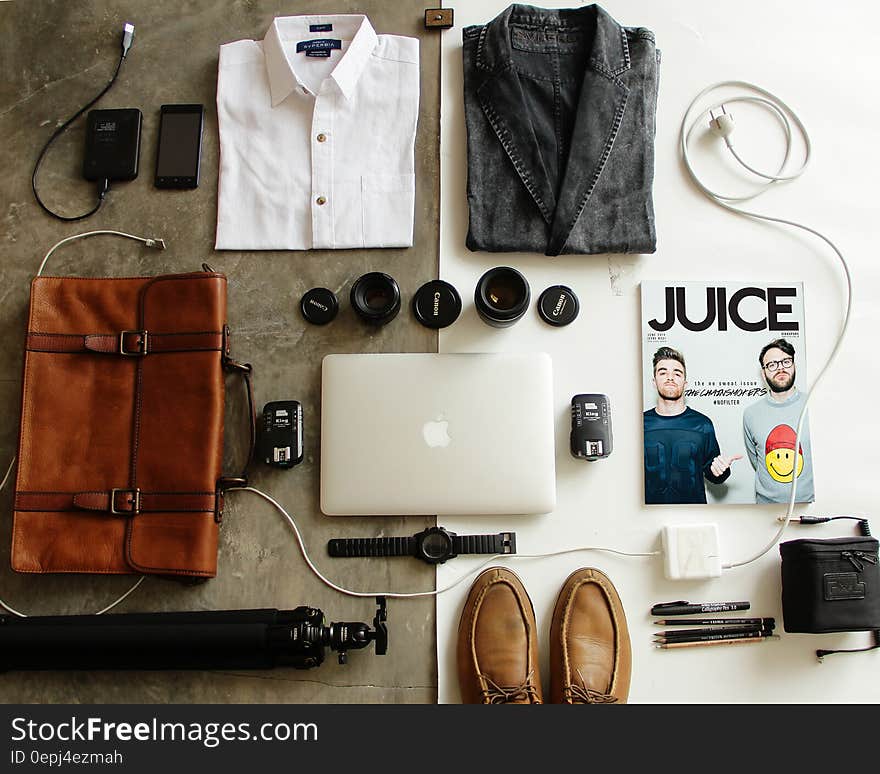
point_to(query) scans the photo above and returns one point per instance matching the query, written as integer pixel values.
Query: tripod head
(346, 635)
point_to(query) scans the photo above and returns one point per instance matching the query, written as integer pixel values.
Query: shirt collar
(282, 76)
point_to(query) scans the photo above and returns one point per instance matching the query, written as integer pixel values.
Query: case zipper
(855, 556)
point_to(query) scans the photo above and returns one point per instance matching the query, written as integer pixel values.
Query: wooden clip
(439, 18)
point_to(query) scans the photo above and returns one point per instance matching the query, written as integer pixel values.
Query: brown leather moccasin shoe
(590, 654)
(498, 643)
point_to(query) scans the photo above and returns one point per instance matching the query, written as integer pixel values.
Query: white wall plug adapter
(691, 551)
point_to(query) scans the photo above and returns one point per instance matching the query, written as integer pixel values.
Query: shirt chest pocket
(387, 203)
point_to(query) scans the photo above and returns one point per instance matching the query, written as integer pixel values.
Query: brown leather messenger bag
(121, 443)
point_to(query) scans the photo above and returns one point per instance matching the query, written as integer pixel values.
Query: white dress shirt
(317, 151)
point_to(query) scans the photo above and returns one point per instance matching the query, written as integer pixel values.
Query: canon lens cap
(558, 305)
(319, 306)
(436, 304)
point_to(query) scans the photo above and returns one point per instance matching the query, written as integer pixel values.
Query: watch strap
(502, 543)
(383, 546)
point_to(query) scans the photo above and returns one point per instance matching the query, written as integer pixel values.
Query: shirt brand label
(326, 44)
(320, 28)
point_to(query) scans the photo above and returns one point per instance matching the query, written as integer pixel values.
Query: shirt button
(305, 90)
(321, 200)
(321, 137)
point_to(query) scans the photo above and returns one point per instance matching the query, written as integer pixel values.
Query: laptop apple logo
(436, 433)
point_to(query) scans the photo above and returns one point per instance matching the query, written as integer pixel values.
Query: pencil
(726, 630)
(698, 644)
(715, 621)
(719, 636)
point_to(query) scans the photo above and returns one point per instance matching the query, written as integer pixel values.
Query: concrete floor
(55, 57)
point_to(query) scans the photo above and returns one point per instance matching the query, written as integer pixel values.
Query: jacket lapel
(502, 100)
(600, 109)
(599, 113)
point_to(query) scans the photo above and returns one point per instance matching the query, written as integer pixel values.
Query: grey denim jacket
(560, 109)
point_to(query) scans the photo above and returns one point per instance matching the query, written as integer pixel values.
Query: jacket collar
(597, 118)
(283, 78)
(610, 50)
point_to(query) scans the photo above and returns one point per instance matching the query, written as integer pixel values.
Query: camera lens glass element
(502, 296)
(376, 298)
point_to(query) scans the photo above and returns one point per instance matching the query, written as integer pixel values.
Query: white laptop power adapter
(691, 551)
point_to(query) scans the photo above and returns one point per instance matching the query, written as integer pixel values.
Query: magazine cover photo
(724, 367)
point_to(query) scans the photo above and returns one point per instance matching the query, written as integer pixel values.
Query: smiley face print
(779, 454)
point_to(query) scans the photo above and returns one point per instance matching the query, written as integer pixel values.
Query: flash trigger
(591, 437)
(281, 437)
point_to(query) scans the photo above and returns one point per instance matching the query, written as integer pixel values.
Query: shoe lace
(500, 694)
(580, 694)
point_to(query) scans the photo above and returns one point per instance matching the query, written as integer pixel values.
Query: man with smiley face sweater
(769, 427)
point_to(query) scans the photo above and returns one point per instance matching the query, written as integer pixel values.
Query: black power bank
(113, 143)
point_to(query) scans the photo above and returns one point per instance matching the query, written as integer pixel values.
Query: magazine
(724, 367)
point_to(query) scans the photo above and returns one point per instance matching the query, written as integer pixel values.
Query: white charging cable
(159, 244)
(414, 594)
(723, 125)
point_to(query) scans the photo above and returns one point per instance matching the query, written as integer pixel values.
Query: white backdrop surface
(824, 61)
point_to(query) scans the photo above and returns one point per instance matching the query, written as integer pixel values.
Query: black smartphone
(180, 146)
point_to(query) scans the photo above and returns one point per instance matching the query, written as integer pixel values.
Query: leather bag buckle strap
(130, 502)
(141, 343)
(118, 501)
(127, 343)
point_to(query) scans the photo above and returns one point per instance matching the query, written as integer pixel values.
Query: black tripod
(232, 639)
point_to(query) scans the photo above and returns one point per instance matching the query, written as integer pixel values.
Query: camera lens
(376, 298)
(502, 296)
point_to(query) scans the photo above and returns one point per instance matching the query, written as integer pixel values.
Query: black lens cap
(436, 304)
(319, 306)
(558, 305)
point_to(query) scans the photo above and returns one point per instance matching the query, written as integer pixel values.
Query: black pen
(713, 637)
(675, 633)
(714, 621)
(686, 608)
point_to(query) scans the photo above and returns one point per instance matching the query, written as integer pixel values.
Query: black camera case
(830, 585)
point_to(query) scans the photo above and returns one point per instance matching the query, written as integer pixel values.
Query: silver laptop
(424, 434)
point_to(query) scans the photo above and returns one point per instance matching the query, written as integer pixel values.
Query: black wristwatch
(434, 545)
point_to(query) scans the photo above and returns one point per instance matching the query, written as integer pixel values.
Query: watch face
(436, 546)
